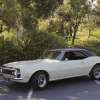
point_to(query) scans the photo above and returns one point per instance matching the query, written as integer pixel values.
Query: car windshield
(50, 55)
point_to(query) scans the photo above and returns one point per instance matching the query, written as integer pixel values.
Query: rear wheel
(95, 72)
(39, 80)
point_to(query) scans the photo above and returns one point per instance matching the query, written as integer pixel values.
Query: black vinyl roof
(86, 52)
(66, 49)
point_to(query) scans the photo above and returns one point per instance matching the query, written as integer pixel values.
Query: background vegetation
(29, 27)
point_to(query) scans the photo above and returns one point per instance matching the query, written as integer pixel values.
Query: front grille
(11, 71)
(18, 76)
(8, 71)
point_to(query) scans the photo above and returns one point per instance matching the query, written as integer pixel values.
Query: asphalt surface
(80, 88)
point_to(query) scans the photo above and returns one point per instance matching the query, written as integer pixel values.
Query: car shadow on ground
(66, 84)
(69, 82)
(68, 89)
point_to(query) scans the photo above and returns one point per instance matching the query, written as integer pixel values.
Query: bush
(93, 46)
(47, 41)
(11, 49)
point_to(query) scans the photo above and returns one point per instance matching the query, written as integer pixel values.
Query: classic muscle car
(54, 64)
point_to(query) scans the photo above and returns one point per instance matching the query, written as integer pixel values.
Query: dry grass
(82, 36)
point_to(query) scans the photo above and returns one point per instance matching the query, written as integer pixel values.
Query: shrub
(11, 49)
(93, 46)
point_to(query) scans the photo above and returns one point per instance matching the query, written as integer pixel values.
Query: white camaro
(53, 65)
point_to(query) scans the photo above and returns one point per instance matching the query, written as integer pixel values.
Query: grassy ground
(82, 41)
(82, 36)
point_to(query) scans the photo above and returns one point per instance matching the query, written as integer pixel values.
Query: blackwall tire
(95, 72)
(39, 81)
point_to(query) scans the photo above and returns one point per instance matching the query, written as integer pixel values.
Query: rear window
(89, 53)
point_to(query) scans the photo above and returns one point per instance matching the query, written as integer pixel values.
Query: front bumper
(10, 73)
(8, 77)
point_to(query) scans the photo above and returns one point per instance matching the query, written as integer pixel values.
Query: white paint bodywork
(55, 68)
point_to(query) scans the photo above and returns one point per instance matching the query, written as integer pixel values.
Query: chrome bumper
(12, 79)
(8, 77)
(18, 78)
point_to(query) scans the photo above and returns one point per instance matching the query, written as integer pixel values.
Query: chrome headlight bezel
(15, 73)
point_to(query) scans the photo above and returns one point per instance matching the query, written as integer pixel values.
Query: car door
(71, 68)
(74, 66)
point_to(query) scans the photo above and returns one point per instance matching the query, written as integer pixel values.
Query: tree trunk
(89, 33)
(75, 30)
(81, 28)
(1, 28)
(70, 31)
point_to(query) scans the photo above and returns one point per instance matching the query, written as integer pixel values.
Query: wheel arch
(94, 65)
(47, 74)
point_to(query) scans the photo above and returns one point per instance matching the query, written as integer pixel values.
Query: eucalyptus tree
(90, 17)
(10, 13)
(97, 12)
(69, 15)
(76, 11)
(25, 13)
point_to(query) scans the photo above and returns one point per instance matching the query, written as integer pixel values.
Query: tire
(95, 72)
(39, 81)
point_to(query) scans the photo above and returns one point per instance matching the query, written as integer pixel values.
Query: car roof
(66, 49)
(86, 52)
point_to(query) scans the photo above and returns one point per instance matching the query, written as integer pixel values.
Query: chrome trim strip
(18, 78)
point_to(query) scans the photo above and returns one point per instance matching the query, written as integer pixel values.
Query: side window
(74, 56)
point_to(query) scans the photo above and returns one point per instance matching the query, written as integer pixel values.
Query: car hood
(20, 64)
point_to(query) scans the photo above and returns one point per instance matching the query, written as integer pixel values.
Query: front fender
(50, 68)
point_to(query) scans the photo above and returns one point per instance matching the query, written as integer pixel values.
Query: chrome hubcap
(97, 72)
(42, 80)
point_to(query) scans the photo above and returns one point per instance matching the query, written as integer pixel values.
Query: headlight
(18, 71)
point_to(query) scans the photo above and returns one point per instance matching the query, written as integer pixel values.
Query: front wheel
(95, 72)
(39, 80)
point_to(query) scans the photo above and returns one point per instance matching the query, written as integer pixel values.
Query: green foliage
(93, 46)
(81, 36)
(44, 40)
(12, 49)
(25, 13)
(97, 13)
(47, 24)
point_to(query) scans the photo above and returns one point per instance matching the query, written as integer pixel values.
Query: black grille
(18, 76)
(7, 71)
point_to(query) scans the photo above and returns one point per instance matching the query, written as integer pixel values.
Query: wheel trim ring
(97, 72)
(42, 81)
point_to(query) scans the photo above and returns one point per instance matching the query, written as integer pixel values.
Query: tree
(97, 13)
(10, 13)
(90, 17)
(77, 10)
(25, 13)
(69, 16)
